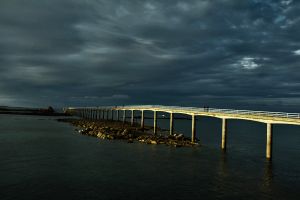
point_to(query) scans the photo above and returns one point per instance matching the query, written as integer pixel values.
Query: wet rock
(179, 136)
(118, 130)
(130, 141)
(153, 142)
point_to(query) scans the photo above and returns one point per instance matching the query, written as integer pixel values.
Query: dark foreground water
(41, 158)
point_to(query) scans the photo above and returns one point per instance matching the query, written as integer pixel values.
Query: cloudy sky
(221, 53)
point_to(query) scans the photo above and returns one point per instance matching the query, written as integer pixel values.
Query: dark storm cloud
(225, 53)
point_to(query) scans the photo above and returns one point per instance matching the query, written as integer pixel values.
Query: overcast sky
(221, 53)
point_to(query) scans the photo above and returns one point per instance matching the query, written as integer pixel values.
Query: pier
(268, 118)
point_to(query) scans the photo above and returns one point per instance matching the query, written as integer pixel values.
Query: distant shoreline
(31, 111)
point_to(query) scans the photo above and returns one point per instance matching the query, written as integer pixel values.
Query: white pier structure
(269, 118)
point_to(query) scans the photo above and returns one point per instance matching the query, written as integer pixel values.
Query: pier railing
(204, 109)
(212, 110)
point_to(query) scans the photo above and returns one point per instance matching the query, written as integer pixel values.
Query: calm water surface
(41, 158)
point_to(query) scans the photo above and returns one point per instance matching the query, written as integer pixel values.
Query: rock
(130, 141)
(153, 142)
(125, 132)
(110, 137)
(99, 134)
(177, 145)
(179, 136)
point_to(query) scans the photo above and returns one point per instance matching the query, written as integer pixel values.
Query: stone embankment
(113, 130)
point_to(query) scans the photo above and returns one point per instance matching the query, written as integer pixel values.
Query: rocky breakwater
(113, 130)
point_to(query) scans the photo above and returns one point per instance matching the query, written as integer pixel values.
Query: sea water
(41, 158)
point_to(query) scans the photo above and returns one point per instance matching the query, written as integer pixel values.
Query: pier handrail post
(155, 122)
(171, 123)
(193, 128)
(224, 134)
(269, 141)
(142, 119)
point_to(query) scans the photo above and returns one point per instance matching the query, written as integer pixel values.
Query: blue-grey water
(41, 158)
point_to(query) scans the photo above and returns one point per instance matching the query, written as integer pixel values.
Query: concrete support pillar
(106, 114)
(171, 123)
(155, 123)
(103, 114)
(193, 128)
(132, 117)
(142, 119)
(118, 114)
(269, 141)
(224, 134)
(124, 116)
(112, 115)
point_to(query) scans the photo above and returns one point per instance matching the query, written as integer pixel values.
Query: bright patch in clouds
(286, 2)
(297, 52)
(249, 63)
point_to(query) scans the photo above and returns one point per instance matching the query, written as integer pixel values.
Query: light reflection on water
(43, 159)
